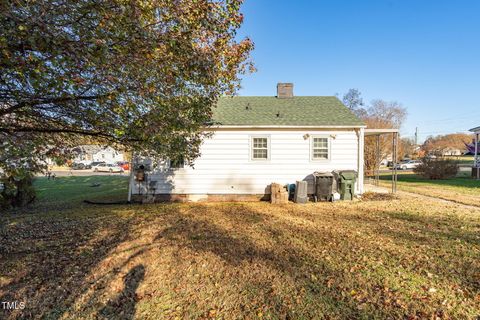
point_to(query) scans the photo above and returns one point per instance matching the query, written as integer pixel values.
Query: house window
(260, 148)
(320, 148)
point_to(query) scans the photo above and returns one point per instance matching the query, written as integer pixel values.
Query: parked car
(95, 163)
(408, 164)
(80, 165)
(124, 164)
(77, 166)
(107, 167)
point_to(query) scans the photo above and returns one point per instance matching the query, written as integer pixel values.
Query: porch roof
(376, 132)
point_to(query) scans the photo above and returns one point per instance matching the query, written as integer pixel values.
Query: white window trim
(268, 147)
(329, 146)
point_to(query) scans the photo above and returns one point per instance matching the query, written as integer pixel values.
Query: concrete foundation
(200, 198)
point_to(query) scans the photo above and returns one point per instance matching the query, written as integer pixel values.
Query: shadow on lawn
(50, 266)
(51, 260)
(291, 262)
(123, 305)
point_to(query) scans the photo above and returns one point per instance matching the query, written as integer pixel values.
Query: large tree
(143, 74)
(441, 143)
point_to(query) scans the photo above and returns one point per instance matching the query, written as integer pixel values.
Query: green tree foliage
(143, 74)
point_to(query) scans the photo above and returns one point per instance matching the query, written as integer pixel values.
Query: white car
(408, 164)
(107, 167)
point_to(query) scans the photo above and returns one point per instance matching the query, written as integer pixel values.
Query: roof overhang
(376, 132)
(253, 127)
(476, 130)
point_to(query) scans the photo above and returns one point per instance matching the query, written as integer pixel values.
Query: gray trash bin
(301, 195)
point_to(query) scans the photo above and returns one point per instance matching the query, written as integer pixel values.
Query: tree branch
(34, 102)
(67, 130)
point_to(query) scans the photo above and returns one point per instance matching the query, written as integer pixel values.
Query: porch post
(361, 159)
(475, 157)
(377, 160)
(394, 160)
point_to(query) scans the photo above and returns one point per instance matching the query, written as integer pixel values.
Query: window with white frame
(260, 148)
(320, 148)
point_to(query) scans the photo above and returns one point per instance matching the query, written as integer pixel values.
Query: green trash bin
(347, 184)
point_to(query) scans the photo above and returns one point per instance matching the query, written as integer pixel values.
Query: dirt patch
(377, 196)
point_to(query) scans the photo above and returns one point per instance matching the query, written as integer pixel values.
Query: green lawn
(462, 160)
(404, 258)
(67, 192)
(462, 190)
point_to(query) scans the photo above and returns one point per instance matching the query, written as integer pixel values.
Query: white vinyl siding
(320, 148)
(226, 166)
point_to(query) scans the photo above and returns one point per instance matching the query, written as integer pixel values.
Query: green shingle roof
(272, 111)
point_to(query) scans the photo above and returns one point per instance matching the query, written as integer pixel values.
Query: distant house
(476, 152)
(92, 153)
(471, 147)
(451, 152)
(260, 140)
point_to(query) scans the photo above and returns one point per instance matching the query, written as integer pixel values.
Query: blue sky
(423, 54)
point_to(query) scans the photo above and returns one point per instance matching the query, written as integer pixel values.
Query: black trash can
(323, 186)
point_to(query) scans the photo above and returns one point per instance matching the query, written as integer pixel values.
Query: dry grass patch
(394, 258)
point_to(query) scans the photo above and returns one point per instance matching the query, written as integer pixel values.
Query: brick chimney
(284, 90)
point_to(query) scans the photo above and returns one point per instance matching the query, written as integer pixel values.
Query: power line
(452, 119)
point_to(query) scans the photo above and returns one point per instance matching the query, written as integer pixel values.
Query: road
(87, 172)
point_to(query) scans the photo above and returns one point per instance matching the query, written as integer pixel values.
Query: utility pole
(416, 136)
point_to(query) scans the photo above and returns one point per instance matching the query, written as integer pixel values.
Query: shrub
(438, 168)
(17, 191)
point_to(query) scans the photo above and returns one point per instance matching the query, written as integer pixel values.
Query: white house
(95, 153)
(451, 152)
(260, 140)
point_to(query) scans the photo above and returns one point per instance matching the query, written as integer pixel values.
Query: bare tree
(381, 115)
(353, 100)
(407, 148)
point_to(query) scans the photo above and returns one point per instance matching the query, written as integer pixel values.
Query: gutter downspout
(475, 158)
